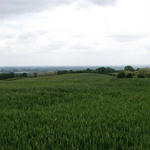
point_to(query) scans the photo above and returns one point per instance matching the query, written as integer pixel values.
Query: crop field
(75, 112)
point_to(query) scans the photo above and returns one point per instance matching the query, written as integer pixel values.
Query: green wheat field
(75, 112)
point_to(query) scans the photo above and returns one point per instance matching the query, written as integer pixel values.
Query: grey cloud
(103, 2)
(127, 38)
(49, 48)
(80, 47)
(54, 46)
(6, 36)
(15, 7)
(147, 47)
(26, 36)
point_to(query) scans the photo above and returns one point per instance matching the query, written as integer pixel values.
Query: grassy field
(75, 112)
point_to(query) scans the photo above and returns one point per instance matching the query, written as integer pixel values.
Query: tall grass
(75, 112)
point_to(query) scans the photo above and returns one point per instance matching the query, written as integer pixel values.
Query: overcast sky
(74, 32)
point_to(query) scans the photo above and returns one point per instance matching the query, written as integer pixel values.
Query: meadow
(85, 111)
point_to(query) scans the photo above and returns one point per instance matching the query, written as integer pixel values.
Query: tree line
(4, 76)
(130, 72)
(102, 70)
(127, 72)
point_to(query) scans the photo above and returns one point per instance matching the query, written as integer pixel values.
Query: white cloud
(67, 35)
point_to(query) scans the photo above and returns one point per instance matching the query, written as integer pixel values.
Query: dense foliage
(101, 70)
(75, 112)
(125, 74)
(105, 70)
(138, 73)
(143, 73)
(4, 76)
(129, 68)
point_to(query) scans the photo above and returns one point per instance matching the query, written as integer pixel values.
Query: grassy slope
(75, 112)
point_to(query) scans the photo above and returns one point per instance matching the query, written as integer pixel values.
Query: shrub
(139, 75)
(24, 75)
(143, 73)
(121, 74)
(4, 76)
(129, 75)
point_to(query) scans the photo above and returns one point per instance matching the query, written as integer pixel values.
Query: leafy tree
(101, 70)
(110, 70)
(129, 68)
(105, 70)
(88, 70)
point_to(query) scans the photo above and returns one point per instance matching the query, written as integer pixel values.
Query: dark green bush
(143, 73)
(4, 76)
(140, 75)
(129, 75)
(121, 74)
